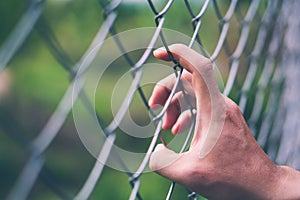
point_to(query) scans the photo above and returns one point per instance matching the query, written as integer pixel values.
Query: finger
(183, 122)
(163, 89)
(171, 115)
(203, 79)
(167, 163)
(210, 107)
(179, 103)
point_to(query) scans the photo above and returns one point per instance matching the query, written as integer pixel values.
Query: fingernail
(175, 130)
(150, 102)
(159, 50)
(159, 147)
(164, 123)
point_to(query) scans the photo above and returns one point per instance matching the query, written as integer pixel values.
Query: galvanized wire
(261, 66)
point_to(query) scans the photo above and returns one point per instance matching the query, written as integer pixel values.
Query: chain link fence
(245, 39)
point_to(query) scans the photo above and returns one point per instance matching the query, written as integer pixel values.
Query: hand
(224, 160)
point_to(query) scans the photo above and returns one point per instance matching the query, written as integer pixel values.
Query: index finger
(203, 78)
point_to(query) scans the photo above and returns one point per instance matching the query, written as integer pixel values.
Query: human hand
(224, 160)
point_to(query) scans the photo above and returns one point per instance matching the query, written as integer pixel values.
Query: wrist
(288, 184)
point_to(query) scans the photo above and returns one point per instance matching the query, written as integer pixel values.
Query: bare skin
(224, 160)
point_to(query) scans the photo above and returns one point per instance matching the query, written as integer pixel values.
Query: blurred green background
(36, 83)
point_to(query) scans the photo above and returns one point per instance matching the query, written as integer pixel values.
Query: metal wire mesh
(254, 48)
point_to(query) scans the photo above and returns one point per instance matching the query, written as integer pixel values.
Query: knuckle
(232, 107)
(206, 62)
(235, 117)
(206, 65)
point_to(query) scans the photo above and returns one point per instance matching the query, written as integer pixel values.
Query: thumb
(166, 163)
